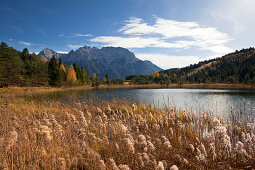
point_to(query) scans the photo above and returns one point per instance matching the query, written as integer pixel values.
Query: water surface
(193, 100)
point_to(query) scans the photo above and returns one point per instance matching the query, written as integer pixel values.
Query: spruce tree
(78, 71)
(54, 72)
(62, 73)
(85, 77)
(60, 61)
(11, 66)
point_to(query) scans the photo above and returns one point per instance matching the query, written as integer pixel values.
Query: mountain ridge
(236, 67)
(153, 65)
(118, 62)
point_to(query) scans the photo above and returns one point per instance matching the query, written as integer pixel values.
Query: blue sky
(170, 33)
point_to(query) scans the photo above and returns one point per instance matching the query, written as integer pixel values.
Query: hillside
(117, 62)
(237, 67)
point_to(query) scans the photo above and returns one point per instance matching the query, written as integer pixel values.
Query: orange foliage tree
(43, 59)
(71, 75)
(155, 74)
(62, 67)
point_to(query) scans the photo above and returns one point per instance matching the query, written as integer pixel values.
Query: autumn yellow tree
(43, 59)
(155, 74)
(62, 67)
(71, 75)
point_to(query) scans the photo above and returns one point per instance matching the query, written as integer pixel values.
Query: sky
(170, 33)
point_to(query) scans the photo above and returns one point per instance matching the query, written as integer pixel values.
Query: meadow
(119, 135)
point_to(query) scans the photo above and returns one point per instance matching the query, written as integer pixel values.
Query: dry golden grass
(87, 135)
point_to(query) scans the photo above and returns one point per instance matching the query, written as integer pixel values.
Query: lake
(192, 100)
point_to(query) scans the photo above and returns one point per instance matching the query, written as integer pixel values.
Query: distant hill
(116, 61)
(237, 67)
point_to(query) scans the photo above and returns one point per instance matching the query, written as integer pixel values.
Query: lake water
(206, 100)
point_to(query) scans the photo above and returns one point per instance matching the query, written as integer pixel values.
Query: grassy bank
(89, 135)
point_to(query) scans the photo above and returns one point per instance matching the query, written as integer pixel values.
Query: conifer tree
(60, 61)
(62, 73)
(42, 72)
(78, 71)
(11, 66)
(85, 77)
(62, 67)
(54, 72)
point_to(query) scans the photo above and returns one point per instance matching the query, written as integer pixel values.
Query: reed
(119, 135)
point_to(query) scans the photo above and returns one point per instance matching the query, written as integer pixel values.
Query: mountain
(155, 67)
(237, 67)
(48, 53)
(116, 61)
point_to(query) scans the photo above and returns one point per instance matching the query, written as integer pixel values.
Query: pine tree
(107, 79)
(78, 71)
(11, 66)
(54, 72)
(85, 77)
(62, 67)
(62, 73)
(42, 72)
(28, 66)
(24, 54)
(60, 61)
(38, 74)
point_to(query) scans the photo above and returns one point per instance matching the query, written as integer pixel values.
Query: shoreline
(188, 86)
(20, 90)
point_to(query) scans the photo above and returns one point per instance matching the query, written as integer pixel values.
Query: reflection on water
(217, 101)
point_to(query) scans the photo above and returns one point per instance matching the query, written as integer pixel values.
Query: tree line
(237, 67)
(25, 69)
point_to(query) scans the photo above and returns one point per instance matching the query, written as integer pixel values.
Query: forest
(237, 67)
(25, 69)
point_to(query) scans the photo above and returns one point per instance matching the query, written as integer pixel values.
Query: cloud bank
(165, 33)
(74, 46)
(168, 61)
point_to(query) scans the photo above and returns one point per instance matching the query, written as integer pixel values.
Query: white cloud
(62, 52)
(140, 42)
(25, 43)
(82, 35)
(130, 42)
(168, 61)
(236, 15)
(74, 46)
(163, 34)
(74, 35)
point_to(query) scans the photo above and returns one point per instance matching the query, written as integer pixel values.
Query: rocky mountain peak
(118, 62)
